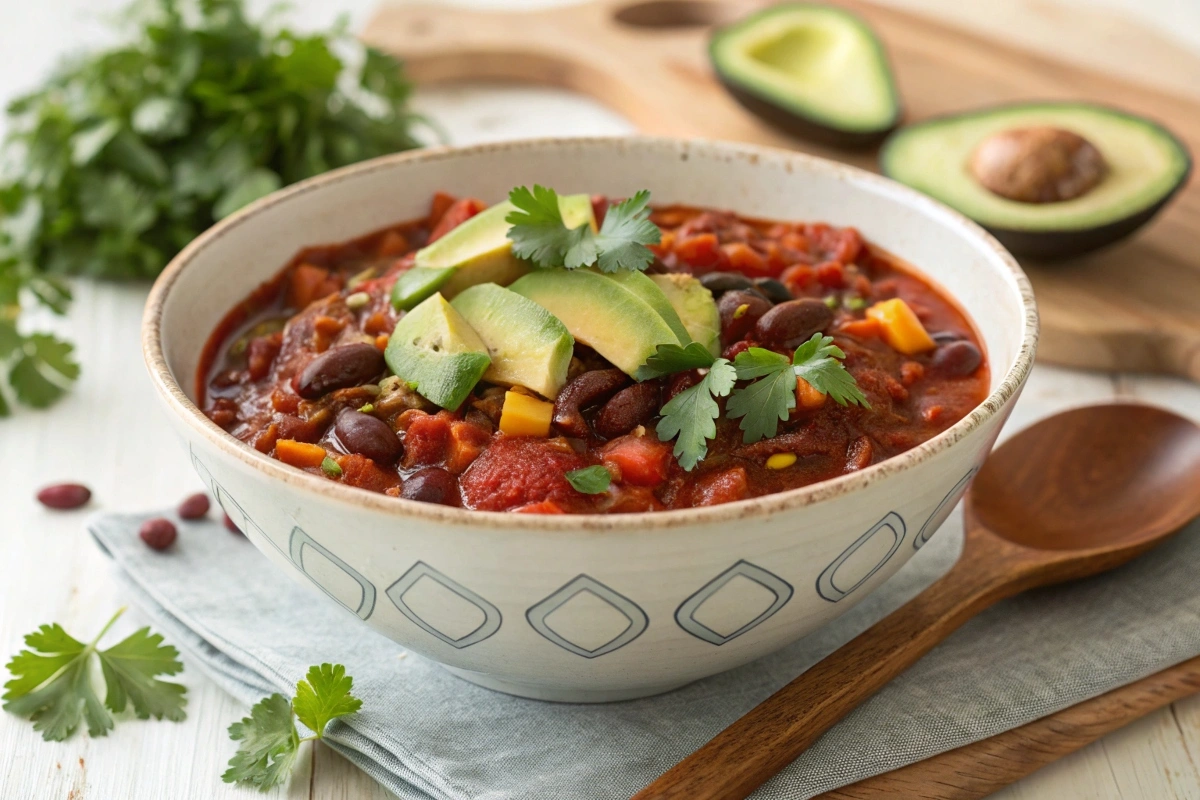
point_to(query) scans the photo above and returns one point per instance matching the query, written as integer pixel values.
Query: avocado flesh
(435, 349)
(814, 70)
(695, 306)
(649, 290)
(600, 313)
(528, 345)
(479, 250)
(1146, 165)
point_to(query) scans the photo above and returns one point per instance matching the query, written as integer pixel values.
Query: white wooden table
(111, 434)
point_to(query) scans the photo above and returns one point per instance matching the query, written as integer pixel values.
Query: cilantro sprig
(691, 415)
(52, 681)
(268, 742)
(540, 234)
(595, 479)
(671, 358)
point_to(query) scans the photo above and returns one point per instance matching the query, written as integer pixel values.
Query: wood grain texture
(1130, 307)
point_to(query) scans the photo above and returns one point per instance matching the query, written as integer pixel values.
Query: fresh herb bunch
(268, 742)
(52, 681)
(124, 156)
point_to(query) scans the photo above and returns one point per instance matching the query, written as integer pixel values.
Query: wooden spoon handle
(768, 738)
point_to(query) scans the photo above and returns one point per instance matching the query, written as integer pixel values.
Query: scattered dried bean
(64, 496)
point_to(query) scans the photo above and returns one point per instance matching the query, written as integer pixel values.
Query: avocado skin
(1052, 245)
(805, 128)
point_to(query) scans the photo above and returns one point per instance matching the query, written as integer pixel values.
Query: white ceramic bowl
(591, 608)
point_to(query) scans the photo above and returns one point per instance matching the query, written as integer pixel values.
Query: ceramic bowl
(591, 608)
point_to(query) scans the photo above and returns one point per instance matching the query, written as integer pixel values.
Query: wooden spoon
(1076, 494)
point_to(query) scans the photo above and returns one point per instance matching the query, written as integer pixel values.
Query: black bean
(956, 360)
(431, 485)
(720, 282)
(368, 436)
(628, 408)
(157, 533)
(790, 324)
(194, 507)
(64, 496)
(945, 337)
(739, 311)
(340, 368)
(775, 291)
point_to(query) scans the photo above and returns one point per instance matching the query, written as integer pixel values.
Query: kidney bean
(737, 321)
(339, 368)
(775, 291)
(431, 485)
(720, 282)
(194, 507)
(590, 387)
(789, 324)
(368, 436)
(157, 533)
(64, 496)
(628, 408)
(232, 527)
(956, 359)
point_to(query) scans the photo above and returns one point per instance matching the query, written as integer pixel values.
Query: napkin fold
(424, 734)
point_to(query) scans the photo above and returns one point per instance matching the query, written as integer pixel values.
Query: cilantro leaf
(764, 404)
(52, 681)
(671, 358)
(268, 745)
(755, 362)
(43, 369)
(268, 740)
(540, 234)
(590, 480)
(818, 362)
(623, 237)
(691, 415)
(324, 695)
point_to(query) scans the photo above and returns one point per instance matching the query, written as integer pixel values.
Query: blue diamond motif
(581, 585)
(827, 583)
(942, 512)
(300, 541)
(491, 615)
(685, 614)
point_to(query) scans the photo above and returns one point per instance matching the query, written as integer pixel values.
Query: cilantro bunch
(690, 416)
(123, 156)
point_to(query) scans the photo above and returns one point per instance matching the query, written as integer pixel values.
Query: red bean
(956, 359)
(628, 408)
(368, 436)
(790, 324)
(157, 533)
(339, 368)
(739, 311)
(588, 388)
(232, 526)
(64, 496)
(431, 485)
(194, 507)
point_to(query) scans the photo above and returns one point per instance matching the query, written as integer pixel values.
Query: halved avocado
(1049, 180)
(814, 71)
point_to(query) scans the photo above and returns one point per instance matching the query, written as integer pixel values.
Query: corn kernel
(902, 331)
(781, 460)
(523, 415)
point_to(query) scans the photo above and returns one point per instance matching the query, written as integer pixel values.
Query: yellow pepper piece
(523, 415)
(781, 460)
(902, 331)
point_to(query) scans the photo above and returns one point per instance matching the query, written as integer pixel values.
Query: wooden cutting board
(1135, 306)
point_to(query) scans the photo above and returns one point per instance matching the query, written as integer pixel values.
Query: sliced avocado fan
(815, 71)
(1047, 179)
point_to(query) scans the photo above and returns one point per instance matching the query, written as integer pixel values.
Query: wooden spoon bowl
(1077, 494)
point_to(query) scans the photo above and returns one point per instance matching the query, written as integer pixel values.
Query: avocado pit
(1041, 164)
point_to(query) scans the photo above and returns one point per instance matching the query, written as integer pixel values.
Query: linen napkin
(424, 734)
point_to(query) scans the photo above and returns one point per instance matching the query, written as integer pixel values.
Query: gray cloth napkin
(423, 733)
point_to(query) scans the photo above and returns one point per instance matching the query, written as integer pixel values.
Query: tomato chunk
(427, 439)
(517, 471)
(639, 460)
(455, 215)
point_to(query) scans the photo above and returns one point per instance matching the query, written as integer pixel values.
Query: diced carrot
(364, 473)
(808, 397)
(299, 454)
(702, 250)
(284, 401)
(743, 258)
(640, 460)
(379, 322)
(457, 214)
(393, 243)
(381, 341)
(795, 241)
(911, 372)
(307, 283)
(465, 444)
(862, 328)
(544, 507)
(266, 440)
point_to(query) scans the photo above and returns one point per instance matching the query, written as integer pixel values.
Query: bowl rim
(767, 505)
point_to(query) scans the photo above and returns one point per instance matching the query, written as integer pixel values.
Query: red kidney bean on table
(194, 507)
(64, 496)
(158, 533)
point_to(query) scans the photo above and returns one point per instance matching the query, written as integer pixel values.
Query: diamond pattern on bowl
(331, 574)
(587, 618)
(861, 560)
(738, 600)
(443, 607)
(942, 512)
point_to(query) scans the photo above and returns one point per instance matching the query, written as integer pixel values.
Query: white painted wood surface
(112, 434)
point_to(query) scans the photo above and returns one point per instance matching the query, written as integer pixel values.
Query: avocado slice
(814, 71)
(528, 345)
(648, 290)
(437, 351)
(599, 312)
(477, 251)
(1136, 167)
(695, 306)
